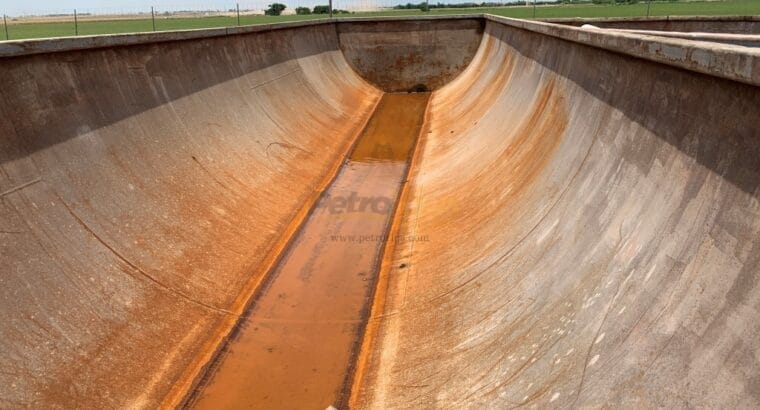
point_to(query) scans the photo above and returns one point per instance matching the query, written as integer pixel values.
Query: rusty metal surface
(144, 191)
(593, 226)
(402, 55)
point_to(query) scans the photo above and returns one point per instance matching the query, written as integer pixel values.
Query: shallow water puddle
(296, 345)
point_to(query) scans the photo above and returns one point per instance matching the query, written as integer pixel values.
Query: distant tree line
(324, 9)
(424, 6)
(276, 9)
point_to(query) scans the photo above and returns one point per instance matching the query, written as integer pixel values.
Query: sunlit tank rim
(727, 61)
(27, 47)
(732, 62)
(591, 20)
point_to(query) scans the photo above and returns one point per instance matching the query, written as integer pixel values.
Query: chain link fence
(24, 24)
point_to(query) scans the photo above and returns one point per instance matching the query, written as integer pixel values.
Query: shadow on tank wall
(407, 55)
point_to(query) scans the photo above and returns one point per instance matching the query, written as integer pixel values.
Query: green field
(18, 31)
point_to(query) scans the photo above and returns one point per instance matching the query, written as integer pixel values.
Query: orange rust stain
(185, 385)
(519, 164)
(297, 343)
(364, 357)
(459, 106)
(532, 143)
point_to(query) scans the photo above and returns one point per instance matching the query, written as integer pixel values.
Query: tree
(303, 10)
(275, 9)
(321, 10)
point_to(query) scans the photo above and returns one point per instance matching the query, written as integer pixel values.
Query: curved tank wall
(145, 190)
(583, 230)
(410, 55)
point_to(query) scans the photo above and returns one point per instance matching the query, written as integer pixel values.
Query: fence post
(330, 6)
(76, 23)
(237, 6)
(153, 18)
(649, 3)
(5, 24)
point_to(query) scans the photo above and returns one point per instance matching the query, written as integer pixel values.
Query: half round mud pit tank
(402, 213)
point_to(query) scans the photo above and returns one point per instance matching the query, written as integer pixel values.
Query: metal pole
(76, 23)
(237, 5)
(153, 17)
(534, 8)
(649, 3)
(330, 6)
(5, 24)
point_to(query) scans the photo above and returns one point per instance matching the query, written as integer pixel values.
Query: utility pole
(5, 24)
(76, 23)
(153, 17)
(330, 6)
(237, 5)
(534, 8)
(649, 3)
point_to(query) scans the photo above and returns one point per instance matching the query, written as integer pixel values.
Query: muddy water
(295, 347)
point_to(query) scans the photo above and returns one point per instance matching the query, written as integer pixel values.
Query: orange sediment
(298, 341)
(183, 389)
(386, 264)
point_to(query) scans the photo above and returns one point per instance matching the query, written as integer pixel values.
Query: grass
(65, 29)
(680, 8)
(62, 29)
